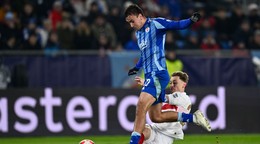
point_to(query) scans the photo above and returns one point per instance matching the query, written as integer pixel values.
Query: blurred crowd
(53, 25)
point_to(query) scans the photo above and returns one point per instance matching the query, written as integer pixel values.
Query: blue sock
(135, 137)
(183, 117)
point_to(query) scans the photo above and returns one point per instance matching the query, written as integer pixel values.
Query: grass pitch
(189, 139)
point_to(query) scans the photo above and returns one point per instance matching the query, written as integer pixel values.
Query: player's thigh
(145, 100)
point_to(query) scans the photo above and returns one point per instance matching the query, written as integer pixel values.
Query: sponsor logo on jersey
(147, 29)
(143, 44)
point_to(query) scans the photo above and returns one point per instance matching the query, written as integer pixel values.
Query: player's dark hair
(133, 9)
(183, 76)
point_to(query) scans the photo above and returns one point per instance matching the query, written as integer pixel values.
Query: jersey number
(147, 81)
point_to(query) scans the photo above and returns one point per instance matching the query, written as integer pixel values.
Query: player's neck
(144, 19)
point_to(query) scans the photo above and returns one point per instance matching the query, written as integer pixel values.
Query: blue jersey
(151, 39)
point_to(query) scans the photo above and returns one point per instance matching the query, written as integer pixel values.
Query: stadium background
(64, 68)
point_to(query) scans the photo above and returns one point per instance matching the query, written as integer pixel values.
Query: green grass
(189, 139)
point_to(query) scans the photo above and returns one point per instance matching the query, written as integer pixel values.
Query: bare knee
(144, 103)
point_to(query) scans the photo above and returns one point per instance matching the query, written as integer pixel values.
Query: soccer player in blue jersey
(151, 33)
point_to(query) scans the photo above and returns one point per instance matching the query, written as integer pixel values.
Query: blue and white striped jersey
(151, 39)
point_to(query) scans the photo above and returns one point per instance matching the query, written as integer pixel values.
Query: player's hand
(133, 71)
(195, 17)
(139, 80)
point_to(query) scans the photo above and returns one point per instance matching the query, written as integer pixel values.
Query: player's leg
(144, 102)
(197, 118)
(201, 120)
(156, 115)
(150, 93)
(160, 81)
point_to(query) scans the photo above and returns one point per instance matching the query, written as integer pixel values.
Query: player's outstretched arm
(165, 24)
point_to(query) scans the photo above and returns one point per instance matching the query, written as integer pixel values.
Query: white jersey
(180, 102)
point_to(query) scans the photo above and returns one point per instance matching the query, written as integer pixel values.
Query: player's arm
(165, 24)
(135, 69)
(139, 64)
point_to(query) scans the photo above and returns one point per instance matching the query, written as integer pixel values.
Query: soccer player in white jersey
(151, 33)
(178, 100)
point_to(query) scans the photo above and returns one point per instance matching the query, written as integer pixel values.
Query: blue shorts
(155, 84)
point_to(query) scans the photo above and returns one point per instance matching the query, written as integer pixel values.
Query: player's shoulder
(159, 19)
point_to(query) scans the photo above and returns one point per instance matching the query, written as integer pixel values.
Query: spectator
(83, 38)
(254, 17)
(132, 43)
(52, 46)
(102, 6)
(22, 17)
(56, 14)
(242, 36)
(10, 44)
(205, 25)
(102, 26)
(173, 63)
(5, 8)
(174, 6)
(30, 27)
(165, 12)
(44, 31)
(255, 45)
(80, 8)
(209, 42)
(192, 41)
(93, 12)
(170, 43)
(65, 31)
(116, 21)
(152, 7)
(103, 42)
(237, 17)
(10, 29)
(223, 28)
(27, 15)
(32, 43)
(43, 8)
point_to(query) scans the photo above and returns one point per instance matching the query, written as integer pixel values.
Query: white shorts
(156, 137)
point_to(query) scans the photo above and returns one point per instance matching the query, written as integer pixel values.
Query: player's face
(135, 21)
(176, 84)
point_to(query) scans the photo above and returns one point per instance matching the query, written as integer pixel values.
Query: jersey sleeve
(179, 99)
(165, 24)
(139, 64)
